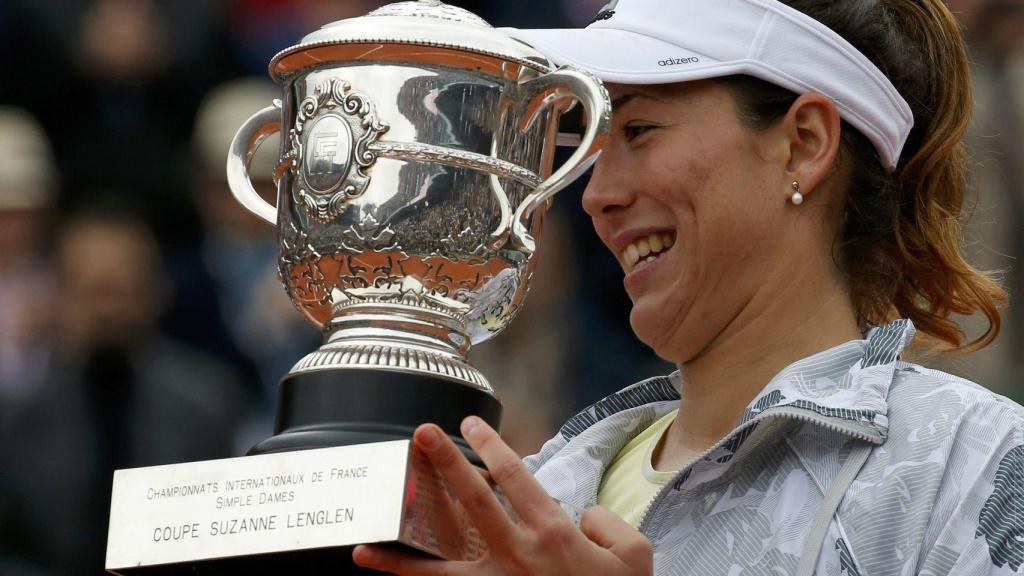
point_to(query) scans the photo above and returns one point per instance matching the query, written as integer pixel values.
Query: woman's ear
(813, 129)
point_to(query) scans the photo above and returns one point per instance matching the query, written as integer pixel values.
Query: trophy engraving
(334, 129)
(331, 150)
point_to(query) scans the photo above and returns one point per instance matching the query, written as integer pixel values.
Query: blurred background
(141, 321)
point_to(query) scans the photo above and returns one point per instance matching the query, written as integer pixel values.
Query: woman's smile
(643, 257)
(646, 250)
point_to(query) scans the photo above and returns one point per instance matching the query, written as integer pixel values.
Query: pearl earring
(797, 198)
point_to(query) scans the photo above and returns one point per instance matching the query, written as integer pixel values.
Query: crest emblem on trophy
(329, 148)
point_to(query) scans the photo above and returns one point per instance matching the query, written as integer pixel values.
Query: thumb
(607, 530)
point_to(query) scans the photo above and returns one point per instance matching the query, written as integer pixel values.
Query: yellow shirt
(631, 482)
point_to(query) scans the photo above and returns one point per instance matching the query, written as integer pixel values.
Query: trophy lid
(449, 29)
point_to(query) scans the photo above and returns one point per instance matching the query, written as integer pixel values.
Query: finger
(607, 530)
(531, 502)
(403, 564)
(470, 487)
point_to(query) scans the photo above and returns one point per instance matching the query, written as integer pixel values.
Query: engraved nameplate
(325, 498)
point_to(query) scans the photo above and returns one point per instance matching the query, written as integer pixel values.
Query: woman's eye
(634, 131)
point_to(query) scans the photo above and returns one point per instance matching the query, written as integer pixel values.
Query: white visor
(667, 41)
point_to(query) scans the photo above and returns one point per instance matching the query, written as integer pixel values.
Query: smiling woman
(783, 189)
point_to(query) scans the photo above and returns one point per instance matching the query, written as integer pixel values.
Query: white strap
(819, 528)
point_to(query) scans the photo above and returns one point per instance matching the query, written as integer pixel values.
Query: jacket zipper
(770, 414)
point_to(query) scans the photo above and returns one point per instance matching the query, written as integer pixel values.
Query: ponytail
(900, 244)
(937, 281)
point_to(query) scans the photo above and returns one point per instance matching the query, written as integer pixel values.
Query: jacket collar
(843, 389)
(849, 382)
(846, 385)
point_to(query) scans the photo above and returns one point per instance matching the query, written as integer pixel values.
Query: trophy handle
(247, 140)
(587, 89)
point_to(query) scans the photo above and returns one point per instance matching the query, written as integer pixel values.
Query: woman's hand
(544, 541)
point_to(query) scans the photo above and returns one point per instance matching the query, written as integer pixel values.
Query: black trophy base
(343, 407)
(357, 406)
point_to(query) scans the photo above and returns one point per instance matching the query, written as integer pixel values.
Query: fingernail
(363, 555)
(429, 438)
(469, 426)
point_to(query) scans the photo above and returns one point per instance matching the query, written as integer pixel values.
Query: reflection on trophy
(414, 176)
(415, 170)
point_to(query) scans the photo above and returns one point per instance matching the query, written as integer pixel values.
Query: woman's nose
(608, 188)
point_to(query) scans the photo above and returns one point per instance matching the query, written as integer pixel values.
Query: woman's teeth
(647, 249)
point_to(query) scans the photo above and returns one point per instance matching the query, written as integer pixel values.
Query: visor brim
(623, 57)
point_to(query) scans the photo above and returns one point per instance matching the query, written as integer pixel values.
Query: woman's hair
(901, 232)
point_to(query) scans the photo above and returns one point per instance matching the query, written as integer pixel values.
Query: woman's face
(692, 203)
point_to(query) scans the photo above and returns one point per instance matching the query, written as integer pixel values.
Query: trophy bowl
(415, 170)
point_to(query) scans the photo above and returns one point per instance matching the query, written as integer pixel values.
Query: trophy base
(349, 406)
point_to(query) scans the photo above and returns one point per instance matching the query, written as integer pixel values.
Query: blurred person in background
(239, 250)
(117, 393)
(116, 83)
(28, 185)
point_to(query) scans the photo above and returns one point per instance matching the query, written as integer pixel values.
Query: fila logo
(606, 13)
(678, 61)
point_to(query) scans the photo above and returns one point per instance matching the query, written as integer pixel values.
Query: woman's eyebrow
(621, 101)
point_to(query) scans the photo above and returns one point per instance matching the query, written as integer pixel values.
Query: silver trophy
(415, 170)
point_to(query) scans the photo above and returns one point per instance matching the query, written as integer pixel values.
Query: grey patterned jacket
(850, 462)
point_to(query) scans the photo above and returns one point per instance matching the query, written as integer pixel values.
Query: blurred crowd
(141, 320)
